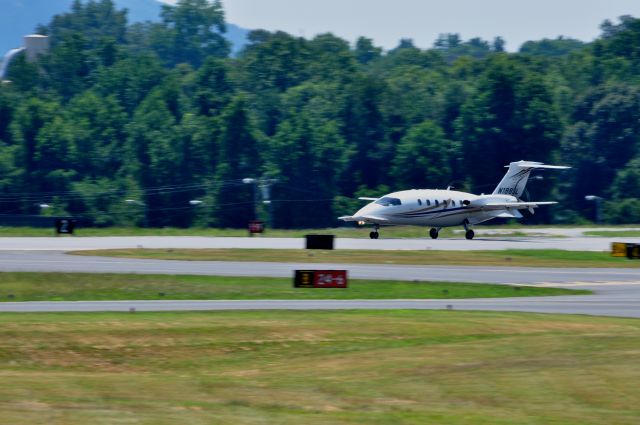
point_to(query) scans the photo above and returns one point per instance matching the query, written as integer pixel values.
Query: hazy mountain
(237, 36)
(21, 17)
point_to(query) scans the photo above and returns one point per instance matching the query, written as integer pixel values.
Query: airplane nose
(361, 212)
(366, 210)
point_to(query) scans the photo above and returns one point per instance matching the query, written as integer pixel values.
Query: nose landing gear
(434, 233)
(375, 234)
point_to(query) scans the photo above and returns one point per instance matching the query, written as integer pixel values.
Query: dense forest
(130, 124)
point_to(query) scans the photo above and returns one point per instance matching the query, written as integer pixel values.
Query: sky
(387, 21)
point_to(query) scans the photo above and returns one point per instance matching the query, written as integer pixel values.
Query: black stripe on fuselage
(416, 214)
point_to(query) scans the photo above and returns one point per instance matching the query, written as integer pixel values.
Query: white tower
(35, 45)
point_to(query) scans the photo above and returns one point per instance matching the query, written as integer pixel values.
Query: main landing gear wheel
(469, 234)
(374, 235)
(433, 233)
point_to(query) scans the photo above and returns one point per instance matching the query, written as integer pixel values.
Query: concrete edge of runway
(574, 305)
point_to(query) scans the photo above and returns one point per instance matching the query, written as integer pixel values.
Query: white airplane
(446, 208)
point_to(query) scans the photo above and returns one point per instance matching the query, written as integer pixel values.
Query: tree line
(127, 124)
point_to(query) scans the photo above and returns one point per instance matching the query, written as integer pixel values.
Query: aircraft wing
(365, 198)
(365, 218)
(510, 214)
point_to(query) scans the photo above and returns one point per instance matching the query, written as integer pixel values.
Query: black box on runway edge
(319, 241)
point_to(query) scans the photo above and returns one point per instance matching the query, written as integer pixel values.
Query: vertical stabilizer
(514, 182)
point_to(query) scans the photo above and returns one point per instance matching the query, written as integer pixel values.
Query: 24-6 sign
(320, 279)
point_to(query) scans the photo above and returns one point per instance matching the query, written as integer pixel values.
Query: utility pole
(264, 184)
(598, 201)
(265, 187)
(253, 182)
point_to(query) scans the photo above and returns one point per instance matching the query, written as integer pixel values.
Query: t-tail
(514, 182)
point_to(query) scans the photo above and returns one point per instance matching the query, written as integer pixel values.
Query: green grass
(81, 287)
(352, 367)
(512, 257)
(613, 233)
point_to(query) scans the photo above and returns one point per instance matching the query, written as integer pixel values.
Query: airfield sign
(320, 279)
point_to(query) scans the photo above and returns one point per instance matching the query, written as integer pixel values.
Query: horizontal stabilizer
(538, 165)
(514, 182)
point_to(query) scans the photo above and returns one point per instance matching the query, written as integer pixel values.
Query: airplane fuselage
(435, 208)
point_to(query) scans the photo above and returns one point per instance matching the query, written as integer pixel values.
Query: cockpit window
(385, 202)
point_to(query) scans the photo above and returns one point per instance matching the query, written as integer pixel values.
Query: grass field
(394, 367)
(613, 233)
(522, 258)
(100, 287)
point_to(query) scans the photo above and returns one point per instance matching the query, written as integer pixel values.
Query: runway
(621, 306)
(55, 261)
(617, 290)
(557, 241)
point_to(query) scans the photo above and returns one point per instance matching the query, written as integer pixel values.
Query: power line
(72, 195)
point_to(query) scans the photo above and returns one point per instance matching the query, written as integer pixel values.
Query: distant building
(35, 45)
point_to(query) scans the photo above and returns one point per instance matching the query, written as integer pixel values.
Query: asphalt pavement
(617, 291)
(569, 243)
(56, 261)
(622, 306)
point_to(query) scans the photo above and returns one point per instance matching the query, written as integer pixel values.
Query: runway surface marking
(582, 284)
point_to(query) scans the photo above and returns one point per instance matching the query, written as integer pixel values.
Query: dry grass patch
(353, 367)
